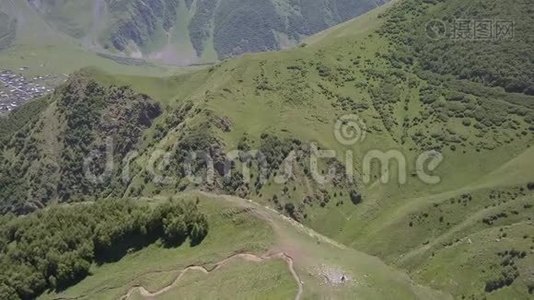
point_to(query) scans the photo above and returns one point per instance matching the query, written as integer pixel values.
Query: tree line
(55, 248)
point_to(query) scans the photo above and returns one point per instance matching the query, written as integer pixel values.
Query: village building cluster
(15, 89)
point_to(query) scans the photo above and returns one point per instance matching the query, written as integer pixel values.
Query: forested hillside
(43, 158)
(498, 55)
(55, 248)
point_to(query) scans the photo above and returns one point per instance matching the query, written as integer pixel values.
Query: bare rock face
(8, 30)
(334, 276)
(144, 19)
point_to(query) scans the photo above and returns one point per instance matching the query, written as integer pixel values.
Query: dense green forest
(85, 116)
(55, 248)
(20, 117)
(503, 58)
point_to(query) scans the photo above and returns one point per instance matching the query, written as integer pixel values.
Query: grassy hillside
(468, 233)
(259, 235)
(44, 160)
(493, 58)
(54, 248)
(71, 17)
(37, 44)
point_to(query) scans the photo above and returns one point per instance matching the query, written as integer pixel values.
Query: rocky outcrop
(138, 20)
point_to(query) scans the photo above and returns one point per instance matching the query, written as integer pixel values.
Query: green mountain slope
(28, 41)
(469, 233)
(82, 118)
(55, 248)
(186, 32)
(249, 252)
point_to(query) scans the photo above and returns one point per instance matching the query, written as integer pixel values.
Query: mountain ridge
(188, 32)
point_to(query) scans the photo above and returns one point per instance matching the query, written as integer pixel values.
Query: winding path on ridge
(262, 212)
(270, 215)
(244, 256)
